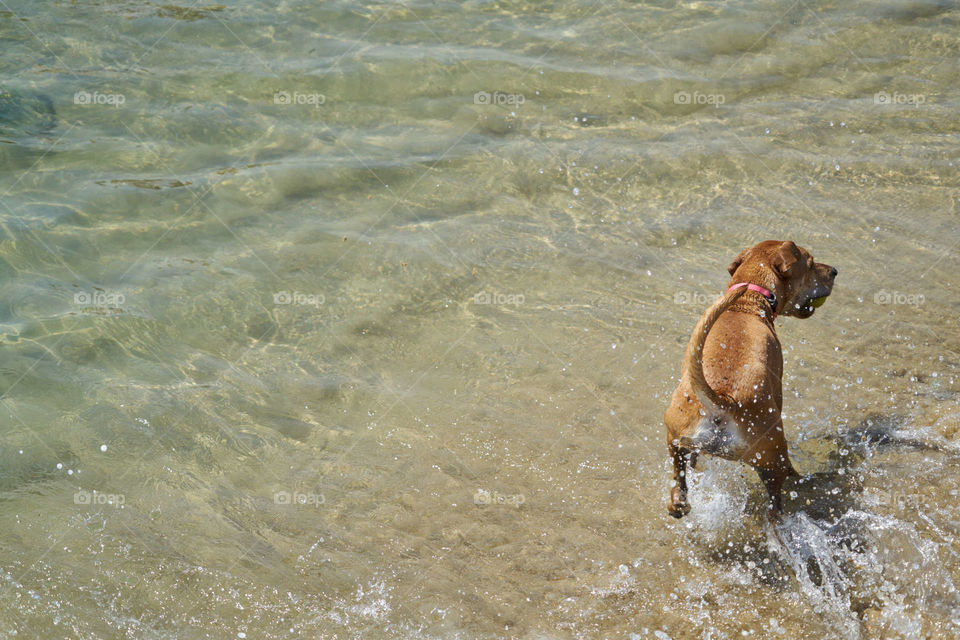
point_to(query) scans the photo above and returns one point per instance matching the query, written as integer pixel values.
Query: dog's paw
(678, 509)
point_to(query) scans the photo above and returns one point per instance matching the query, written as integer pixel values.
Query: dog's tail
(693, 358)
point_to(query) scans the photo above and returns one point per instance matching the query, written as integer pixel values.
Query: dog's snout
(833, 272)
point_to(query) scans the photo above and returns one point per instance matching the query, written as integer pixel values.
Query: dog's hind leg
(678, 505)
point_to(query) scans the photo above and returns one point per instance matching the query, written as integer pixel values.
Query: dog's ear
(786, 256)
(738, 260)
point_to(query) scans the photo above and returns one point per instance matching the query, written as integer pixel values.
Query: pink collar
(766, 293)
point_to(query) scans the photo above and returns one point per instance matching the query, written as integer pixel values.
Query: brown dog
(729, 398)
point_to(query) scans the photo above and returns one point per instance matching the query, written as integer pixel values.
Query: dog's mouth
(814, 299)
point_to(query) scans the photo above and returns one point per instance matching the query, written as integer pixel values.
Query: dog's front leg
(773, 481)
(678, 505)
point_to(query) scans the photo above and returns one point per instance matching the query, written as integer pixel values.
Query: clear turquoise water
(388, 358)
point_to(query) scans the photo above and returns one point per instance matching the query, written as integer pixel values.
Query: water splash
(718, 489)
(817, 564)
(865, 570)
(869, 572)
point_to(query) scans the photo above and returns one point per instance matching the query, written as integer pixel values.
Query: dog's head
(787, 270)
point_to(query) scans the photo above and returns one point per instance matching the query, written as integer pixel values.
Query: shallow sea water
(358, 320)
